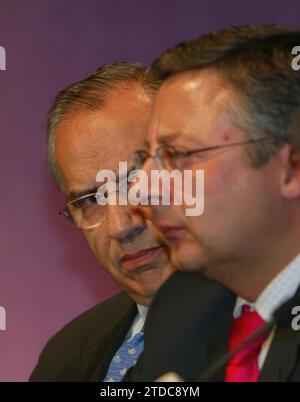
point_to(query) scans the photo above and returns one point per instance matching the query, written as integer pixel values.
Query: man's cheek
(94, 243)
(102, 249)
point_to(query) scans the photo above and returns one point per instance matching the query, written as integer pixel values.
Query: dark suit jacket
(183, 315)
(188, 329)
(283, 360)
(83, 349)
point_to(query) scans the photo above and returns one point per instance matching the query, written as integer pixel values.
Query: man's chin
(142, 292)
(147, 282)
(187, 260)
(153, 276)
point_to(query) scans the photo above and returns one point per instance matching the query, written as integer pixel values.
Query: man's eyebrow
(73, 195)
(163, 139)
(168, 137)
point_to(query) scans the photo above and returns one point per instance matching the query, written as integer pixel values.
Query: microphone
(281, 319)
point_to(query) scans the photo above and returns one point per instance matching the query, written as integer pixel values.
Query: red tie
(243, 365)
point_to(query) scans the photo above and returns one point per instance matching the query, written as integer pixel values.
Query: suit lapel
(96, 352)
(282, 357)
(114, 339)
(217, 348)
(283, 354)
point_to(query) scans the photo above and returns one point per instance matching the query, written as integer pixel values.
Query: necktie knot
(245, 325)
(243, 364)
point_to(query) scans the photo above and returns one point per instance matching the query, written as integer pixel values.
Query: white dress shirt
(139, 321)
(279, 290)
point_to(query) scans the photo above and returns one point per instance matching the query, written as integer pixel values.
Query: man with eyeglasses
(237, 119)
(92, 125)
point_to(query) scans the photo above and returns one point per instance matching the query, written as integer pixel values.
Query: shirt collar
(139, 321)
(280, 289)
(142, 311)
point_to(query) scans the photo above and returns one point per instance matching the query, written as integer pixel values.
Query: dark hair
(91, 94)
(209, 47)
(256, 62)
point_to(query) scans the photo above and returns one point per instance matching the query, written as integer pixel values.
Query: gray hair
(91, 94)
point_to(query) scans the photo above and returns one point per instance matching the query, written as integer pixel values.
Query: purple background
(47, 273)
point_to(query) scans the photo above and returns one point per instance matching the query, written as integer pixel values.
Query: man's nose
(150, 164)
(124, 223)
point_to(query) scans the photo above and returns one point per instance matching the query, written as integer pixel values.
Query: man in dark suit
(237, 118)
(184, 314)
(281, 364)
(194, 346)
(83, 349)
(92, 125)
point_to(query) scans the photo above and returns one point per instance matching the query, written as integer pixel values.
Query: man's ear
(290, 185)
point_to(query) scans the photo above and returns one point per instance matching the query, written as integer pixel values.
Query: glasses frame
(158, 156)
(64, 211)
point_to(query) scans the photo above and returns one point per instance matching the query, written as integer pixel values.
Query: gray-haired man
(92, 125)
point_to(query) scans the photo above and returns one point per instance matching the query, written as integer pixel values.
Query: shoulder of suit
(94, 322)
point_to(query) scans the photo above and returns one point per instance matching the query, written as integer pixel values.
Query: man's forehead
(187, 98)
(193, 84)
(83, 148)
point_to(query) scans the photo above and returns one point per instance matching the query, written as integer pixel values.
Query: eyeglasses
(169, 158)
(85, 212)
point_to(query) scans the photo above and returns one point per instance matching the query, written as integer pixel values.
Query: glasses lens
(85, 212)
(165, 158)
(139, 158)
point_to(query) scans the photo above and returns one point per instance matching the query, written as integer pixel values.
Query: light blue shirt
(130, 349)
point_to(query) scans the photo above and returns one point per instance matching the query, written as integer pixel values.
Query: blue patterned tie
(125, 358)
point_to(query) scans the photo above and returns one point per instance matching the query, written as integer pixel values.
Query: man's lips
(142, 257)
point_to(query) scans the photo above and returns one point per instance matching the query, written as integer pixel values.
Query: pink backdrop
(47, 273)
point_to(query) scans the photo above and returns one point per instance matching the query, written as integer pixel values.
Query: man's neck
(282, 288)
(252, 278)
(140, 300)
